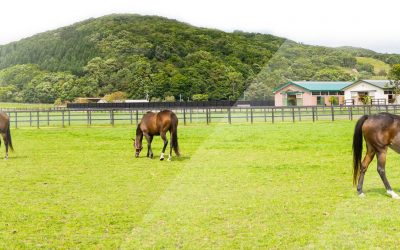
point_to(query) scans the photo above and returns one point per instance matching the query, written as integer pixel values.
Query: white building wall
(373, 91)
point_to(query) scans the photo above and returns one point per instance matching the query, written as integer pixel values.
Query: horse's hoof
(393, 194)
(161, 159)
(362, 195)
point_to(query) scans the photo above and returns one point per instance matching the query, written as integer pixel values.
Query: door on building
(291, 100)
(362, 97)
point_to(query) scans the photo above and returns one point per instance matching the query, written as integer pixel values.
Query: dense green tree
(394, 73)
(365, 67)
(154, 57)
(349, 62)
(332, 74)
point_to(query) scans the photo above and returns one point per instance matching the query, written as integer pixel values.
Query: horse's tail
(174, 134)
(357, 148)
(8, 135)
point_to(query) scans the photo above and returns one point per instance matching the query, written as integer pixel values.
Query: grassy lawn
(15, 105)
(236, 186)
(378, 64)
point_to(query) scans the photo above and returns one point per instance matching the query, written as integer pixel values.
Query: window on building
(320, 100)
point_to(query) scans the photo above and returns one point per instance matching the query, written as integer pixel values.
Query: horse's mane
(138, 130)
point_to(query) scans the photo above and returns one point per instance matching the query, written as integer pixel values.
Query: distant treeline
(163, 59)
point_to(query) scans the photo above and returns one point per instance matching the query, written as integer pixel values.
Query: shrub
(200, 97)
(116, 96)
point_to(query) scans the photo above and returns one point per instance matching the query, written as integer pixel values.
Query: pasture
(22, 106)
(236, 186)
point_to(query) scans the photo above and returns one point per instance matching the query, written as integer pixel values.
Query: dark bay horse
(157, 124)
(5, 132)
(380, 132)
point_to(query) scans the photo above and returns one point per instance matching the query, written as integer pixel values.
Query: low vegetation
(236, 186)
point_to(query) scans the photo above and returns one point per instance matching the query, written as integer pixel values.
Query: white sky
(368, 24)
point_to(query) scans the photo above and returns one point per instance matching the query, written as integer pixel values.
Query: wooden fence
(111, 117)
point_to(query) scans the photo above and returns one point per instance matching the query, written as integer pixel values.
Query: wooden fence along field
(70, 117)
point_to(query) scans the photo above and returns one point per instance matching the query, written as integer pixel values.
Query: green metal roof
(383, 84)
(316, 85)
(323, 86)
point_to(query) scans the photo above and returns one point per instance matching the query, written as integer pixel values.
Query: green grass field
(378, 64)
(236, 186)
(15, 105)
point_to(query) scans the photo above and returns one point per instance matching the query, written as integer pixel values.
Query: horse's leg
(381, 170)
(164, 137)
(170, 147)
(5, 144)
(151, 150)
(149, 139)
(369, 156)
(149, 145)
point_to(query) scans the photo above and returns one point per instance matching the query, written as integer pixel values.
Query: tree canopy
(159, 58)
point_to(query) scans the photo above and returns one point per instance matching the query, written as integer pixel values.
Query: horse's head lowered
(137, 145)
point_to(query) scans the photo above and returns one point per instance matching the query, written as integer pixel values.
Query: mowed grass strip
(236, 186)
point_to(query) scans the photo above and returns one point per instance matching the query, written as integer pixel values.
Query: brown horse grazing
(5, 132)
(380, 132)
(157, 124)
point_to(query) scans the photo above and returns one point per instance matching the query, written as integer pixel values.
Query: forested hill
(161, 58)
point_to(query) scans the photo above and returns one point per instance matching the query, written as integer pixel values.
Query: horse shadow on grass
(11, 157)
(174, 158)
(378, 191)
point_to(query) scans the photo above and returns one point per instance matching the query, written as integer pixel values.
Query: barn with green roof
(310, 93)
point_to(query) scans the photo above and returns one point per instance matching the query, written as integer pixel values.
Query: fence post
(247, 115)
(63, 119)
(48, 118)
(37, 120)
(251, 115)
(273, 115)
(313, 113)
(229, 116)
(184, 116)
(316, 113)
(265, 115)
(112, 117)
(190, 114)
(300, 114)
(332, 113)
(283, 119)
(69, 118)
(137, 117)
(207, 115)
(131, 114)
(351, 113)
(16, 119)
(30, 118)
(87, 117)
(292, 114)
